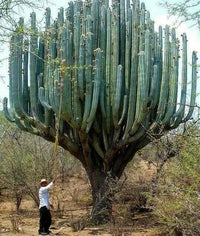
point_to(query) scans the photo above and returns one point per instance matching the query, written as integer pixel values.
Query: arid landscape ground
(73, 201)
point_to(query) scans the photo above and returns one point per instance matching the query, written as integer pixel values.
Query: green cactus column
(118, 78)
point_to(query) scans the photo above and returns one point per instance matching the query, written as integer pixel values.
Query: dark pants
(45, 220)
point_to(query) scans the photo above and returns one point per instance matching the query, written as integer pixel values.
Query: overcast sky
(158, 14)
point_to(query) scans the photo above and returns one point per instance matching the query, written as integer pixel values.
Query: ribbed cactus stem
(33, 61)
(96, 89)
(5, 110)
(108, 72)
(48, 18)
(103, 33)
(193, 87)
(178, 116)
(165, 78)
(117, 97)
(142, 95)
(88, 75)
(173, 81)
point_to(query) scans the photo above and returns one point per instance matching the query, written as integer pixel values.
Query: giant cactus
(117, 79)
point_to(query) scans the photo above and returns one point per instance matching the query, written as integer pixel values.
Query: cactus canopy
(112, 77)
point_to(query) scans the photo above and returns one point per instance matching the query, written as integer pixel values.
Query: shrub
(177, 200)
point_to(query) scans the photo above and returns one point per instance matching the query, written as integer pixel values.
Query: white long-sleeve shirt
(44, 195)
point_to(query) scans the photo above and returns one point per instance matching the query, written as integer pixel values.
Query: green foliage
(177, 200)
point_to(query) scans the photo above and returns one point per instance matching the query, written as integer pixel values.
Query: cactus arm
(67, 47)
(154, 84)
(103, 90)
(5, 110)
(178, 116)
(128, 53)
(134, 73)
(19, 54)
(33, 59)
(67, 83)
(61, 17)
(141, 132)
(96, 89)
(108, 73)
(159, 59)
(11, 65)
(56, 89)
(47, 18)
(39, 70)
(127, 7)
(88, 74)
(142, 28)
(193, 88)
(51, 64)
(103, 48)
(40, 56)
(125, 102)
(25, 92)
(81, 78)
(115, 50)
(122, 32)
(70, 12)
(43, 99)
(148, 61)
(173, 82)
(76, 100)
(117, 97)
(16, 78)
(131, 103)
(142, 96)
(165, 79)
(95, 8)
(46, 54)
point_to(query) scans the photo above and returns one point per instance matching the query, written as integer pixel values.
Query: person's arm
(46, 188)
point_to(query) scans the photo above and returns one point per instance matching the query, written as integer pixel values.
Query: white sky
(158, 14)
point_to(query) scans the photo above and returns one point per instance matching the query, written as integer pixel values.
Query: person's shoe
(43, 233)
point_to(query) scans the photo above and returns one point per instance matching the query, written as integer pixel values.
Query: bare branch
(186, 11)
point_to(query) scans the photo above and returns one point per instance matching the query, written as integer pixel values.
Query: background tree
(25, 159)
(10, 11)
(102, 74)
(185, 11)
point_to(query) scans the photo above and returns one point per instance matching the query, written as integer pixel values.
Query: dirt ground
(27, 224)
(74, 202)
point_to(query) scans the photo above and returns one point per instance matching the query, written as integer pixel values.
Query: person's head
(43, 182)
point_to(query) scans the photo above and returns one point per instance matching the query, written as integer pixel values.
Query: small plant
(16, 222)
(79, 224)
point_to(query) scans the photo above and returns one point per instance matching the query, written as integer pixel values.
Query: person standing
(44, 206)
